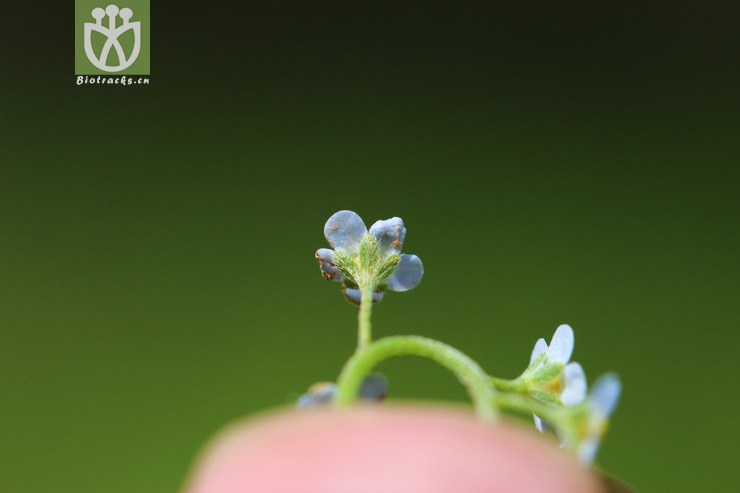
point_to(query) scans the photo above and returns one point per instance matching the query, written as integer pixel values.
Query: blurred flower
(569, 384)
(369, 260)
(374, 388)
(318, 393)
(601, 402)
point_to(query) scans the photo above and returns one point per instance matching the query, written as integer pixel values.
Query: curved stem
(465, 369)
(364, 323)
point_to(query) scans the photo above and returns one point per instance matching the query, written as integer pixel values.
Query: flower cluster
(371, 260)
(552, 379)
(553, 389)
(553, 375)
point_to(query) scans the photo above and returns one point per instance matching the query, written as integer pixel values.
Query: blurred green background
(553, 164)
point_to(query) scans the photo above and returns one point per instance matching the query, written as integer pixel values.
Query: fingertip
(386, 449)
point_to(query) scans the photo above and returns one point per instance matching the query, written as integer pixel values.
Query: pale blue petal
(407, 275)
(355, 295)
(605, 394)
(326, 263)
(389, 234)
(320, 393)
(344, 230)
(539, 424)
(561, 345)
(374, 388)
(305, 401)
(575, 385)
(352, 295)
(587, 450)
(539, 347)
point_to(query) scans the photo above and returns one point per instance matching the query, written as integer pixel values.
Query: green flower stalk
(463, 367)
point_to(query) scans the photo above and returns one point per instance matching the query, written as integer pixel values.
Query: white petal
(575, 385)
(539, 347)
(344, 230)
(389, 234)
(561, 345)
(354, 296)
(407, 275)
(587, 450)
(605, 394)
(326, 261)
(539, 424)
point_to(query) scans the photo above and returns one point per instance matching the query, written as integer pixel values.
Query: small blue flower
(318, 393)
(570, 387)
(374, 388)
(601, 402)
(346, 233)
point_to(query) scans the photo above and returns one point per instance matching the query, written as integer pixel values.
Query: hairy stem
(364, 322)
(465, 369)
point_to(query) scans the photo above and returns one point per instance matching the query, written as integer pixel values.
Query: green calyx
(543, 380)
(346, 265)
(369, 267)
